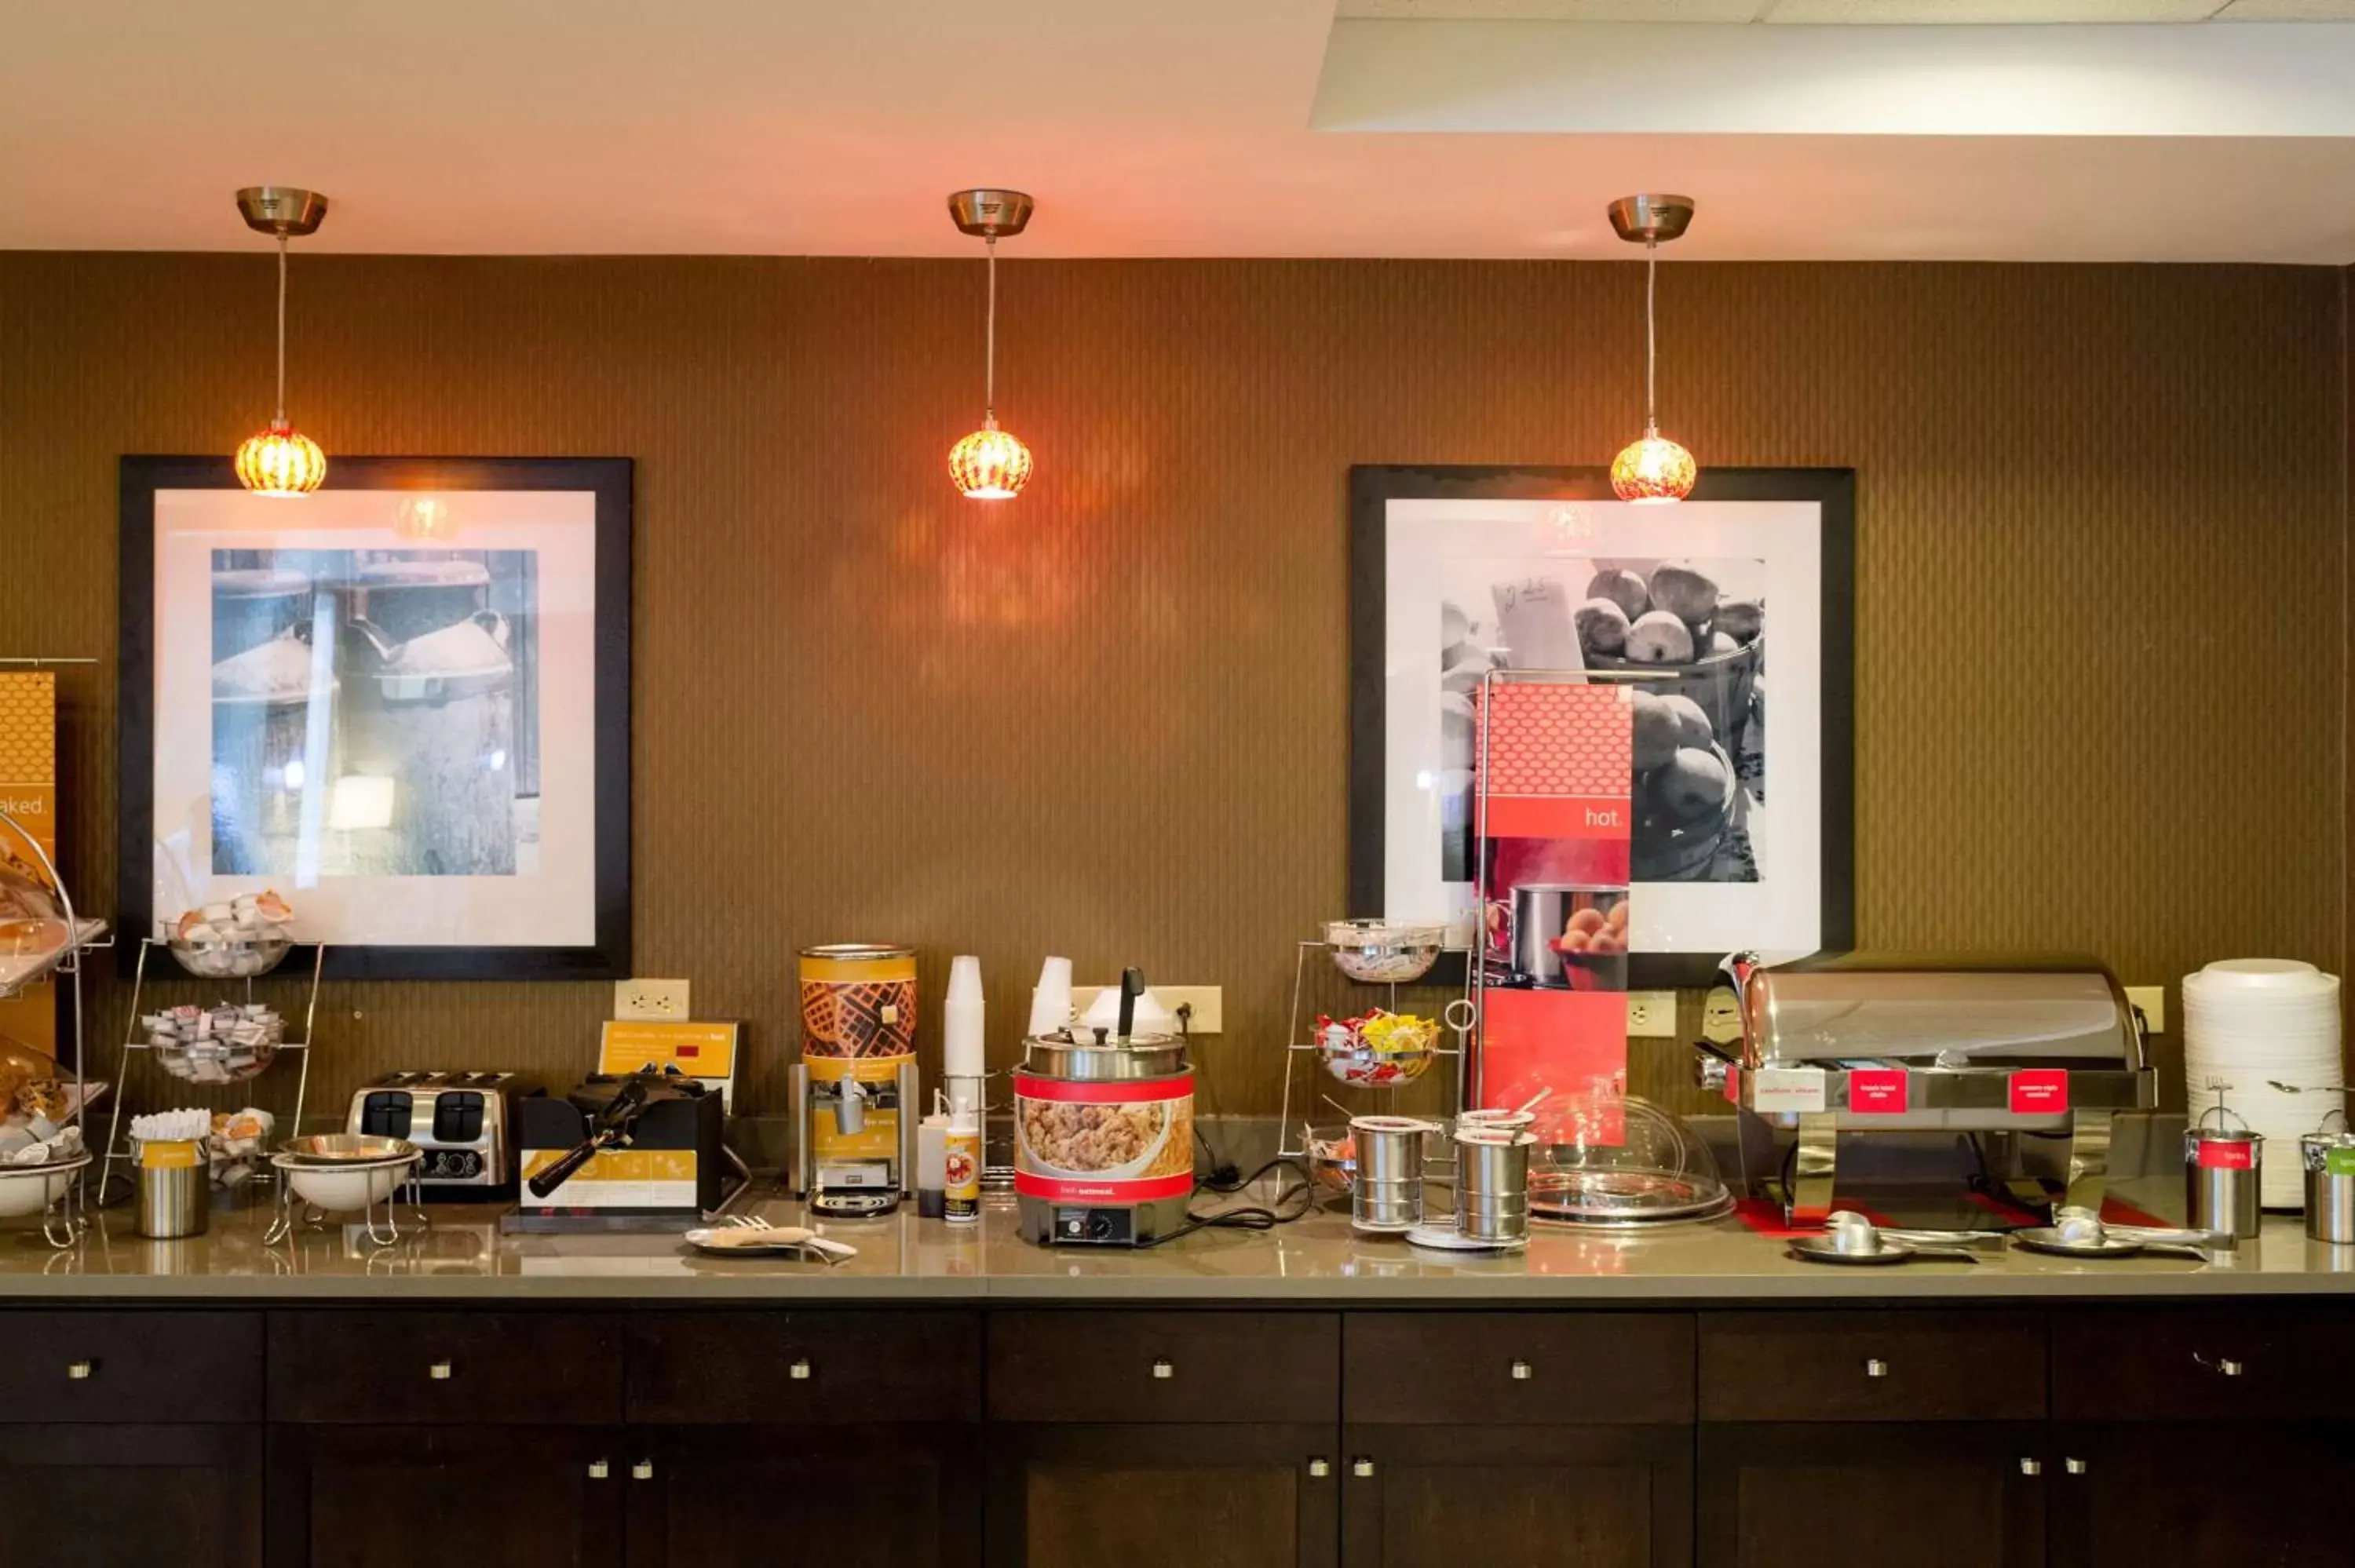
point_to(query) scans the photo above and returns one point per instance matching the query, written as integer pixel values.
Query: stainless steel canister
(174, 1201)
(2224, 1169)
(2329, 1161)
(1386, 1192)
(1492, 1183)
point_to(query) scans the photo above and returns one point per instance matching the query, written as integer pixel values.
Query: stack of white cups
(2254, 1022)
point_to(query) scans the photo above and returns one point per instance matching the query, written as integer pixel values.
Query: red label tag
(2220, 1154)
(1733, 1081)
(2040, 1091)
(1877, 1091)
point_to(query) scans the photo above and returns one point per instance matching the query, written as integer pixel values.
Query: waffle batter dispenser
(855, 1099)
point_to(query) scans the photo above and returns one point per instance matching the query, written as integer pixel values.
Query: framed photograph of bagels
(391, 716)
(1702, 607)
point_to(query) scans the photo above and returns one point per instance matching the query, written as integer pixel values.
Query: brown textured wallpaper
(2101, 592)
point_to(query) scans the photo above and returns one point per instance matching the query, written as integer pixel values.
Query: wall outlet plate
(1210, 1014)
(2152, 1001)
(650, 1001)
(1652, 1014)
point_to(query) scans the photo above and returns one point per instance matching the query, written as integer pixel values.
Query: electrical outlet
(650, 1001)
(1209, 1012)
(2152, 1001)
(1652, 1014)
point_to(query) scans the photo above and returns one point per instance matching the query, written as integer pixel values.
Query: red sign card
(2040, 1091)
(1877, 1091)
(2217, 1154)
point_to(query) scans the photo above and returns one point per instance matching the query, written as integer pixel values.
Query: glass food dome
(1625, 1162)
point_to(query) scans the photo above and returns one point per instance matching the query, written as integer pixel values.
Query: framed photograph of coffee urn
(401, 703)
(1705, 607)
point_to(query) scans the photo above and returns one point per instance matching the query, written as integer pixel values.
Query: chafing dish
(1984, 1046)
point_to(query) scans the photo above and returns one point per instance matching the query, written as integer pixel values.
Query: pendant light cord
(281, 420)
(989, 354)
(1651, 351)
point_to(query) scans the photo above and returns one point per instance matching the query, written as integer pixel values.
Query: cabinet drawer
(1872, 1366)
(429, 1368)
(1480, 1369)
(2163, 1364)
(1165, 1366)
(798, 1368)
(130, 1366)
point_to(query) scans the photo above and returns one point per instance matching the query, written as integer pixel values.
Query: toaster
(463, 1123)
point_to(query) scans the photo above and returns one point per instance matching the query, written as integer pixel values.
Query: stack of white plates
(2252, 1023)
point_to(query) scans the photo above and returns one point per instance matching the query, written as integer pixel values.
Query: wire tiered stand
(1461, 1017)
(62, 1211)
(133, 1041)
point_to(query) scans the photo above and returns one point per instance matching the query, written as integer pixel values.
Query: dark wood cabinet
(1926, 1495)
(1598, 1497)
(1203, 1495)
(490, 1497)
(1865, 1365)
(550, 1369)
(2160, 1495)
(781, 1497)
(132, 1496)
(1279, 1368)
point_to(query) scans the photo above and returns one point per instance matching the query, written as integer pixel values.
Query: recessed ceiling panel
(1987, 12)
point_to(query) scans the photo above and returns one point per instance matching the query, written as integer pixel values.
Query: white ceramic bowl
(345, 1191)
(30, 1188)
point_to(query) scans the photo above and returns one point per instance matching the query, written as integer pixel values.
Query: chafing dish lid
(1949, 1011)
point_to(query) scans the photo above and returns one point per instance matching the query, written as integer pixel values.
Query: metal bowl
(331, 1148)
(1384, 952)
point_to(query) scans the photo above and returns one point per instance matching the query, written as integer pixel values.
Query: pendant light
(1653, 469)
(280, 461)
(990, 464)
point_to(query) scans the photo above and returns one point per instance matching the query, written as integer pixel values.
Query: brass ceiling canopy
(989, 214)
(282, 210)
(1654, 218)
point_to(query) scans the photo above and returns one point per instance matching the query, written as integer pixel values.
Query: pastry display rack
(60, 1201)
(133, 1044)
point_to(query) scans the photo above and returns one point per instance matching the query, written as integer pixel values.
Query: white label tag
(1781, 1090)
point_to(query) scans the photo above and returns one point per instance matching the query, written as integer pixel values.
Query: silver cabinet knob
(2031, 1467)
(80, 1370)
(1361, 1466)
(1164, 1370)
(1875, 1367)
(799, 1370)
(439, 1372)
(1319, 1467)
(1523, 1371)
(644, 1470)
(598, 1470)
(2074, 1467)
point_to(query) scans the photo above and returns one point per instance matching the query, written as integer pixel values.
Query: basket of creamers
(236, 939)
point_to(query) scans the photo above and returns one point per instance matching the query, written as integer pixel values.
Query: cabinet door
(394, 1496)
(1196, 1495)
(781, 1497)
(1801, 1495)
(2154, 1495)
(1598, 1497)
(132, 1496)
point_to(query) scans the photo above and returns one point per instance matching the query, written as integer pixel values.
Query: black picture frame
(608, 480)
(1833, 490)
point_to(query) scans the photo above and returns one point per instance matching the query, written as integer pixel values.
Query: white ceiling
(794, 127)
(1910, 13)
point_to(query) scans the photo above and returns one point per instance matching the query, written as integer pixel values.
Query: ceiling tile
(1556, 10)
(1990, 12)
(2288, 11)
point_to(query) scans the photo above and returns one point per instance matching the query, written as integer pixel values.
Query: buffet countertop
(463, 1256)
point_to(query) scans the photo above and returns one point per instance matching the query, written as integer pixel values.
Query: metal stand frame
(63, 1221)
(313, 1217)
(1462, 1015)
(116, 1149)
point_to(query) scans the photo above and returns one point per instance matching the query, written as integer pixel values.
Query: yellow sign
(618, 1164)
(706, 1051)
(29, 792)
(174, 1154)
